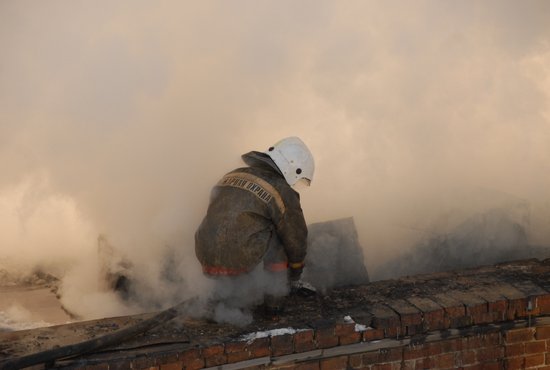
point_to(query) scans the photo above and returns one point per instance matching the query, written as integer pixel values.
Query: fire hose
(71, 350)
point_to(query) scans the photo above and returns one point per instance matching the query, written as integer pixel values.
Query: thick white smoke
(117, 118)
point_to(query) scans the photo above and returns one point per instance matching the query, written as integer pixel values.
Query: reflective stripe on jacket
(248, 207)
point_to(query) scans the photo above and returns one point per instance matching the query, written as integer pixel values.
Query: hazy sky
(117, 117)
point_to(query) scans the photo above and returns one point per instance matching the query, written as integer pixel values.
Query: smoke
(117, 118)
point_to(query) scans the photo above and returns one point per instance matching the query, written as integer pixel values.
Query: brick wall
(486, 318)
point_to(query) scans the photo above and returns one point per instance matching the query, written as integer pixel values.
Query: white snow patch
(358, 327)
(269, 333)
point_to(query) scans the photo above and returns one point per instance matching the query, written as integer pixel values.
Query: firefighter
(255, 226)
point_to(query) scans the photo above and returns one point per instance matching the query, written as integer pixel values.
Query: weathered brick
(514, 363)
(303, 341)
(382, 367)
(342, 329)
(424, 363)
(444, 361)
(433, 314)
(519, 335)
(231, 347)
(385, 318)
(326, 338)
(451, 345)
(517, 308)
(538, 346)
(172, 366)
(259, 348)
(215, 360)
(434, 348)
(408, 314)
(335, 363)
(143, 362)
(534, 360)
(192, 363)
(543, 332)
(214, 350)
(282, 345)
(497, 310)
(356, 361)
(373, 334)
(310, 365)
(351, 338)
(516, 349)
(466, 357)
(237, 356)
(543, 303)
(489, 353)
(370, 358)
(415, 352)
(390, 355)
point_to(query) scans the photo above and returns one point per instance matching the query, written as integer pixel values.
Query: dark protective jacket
(251, 209)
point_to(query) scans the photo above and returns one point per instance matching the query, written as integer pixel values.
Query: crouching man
(253, 239)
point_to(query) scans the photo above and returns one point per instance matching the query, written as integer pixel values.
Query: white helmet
(294, 160)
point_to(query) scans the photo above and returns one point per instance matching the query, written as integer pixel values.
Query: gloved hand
(302, 288)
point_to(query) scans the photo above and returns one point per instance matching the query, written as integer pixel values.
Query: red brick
(538, 346)
(516, 349)
(237, 356)
(370, 358)
(356, 361)
(452, 345)
(424, 363)
(193, 364)
(444, 361)
(491, 339)
(215, 360)
(214, 350)
(351, 338)
(335, 363)
(303, 341)
(235, 347)
(390, 355)
(517, 308)
(373, 334)
(514, 363)
(434, 348)
(534, 360)
(411, 353)
(543, 303)
(467, 357)
(543, 332)
(478, 313)
(282, 345)
(326, 338)
(489, 353)
(342, 329)
(381, 367)
(520, 335)
(172, 366)
(434, 320)
(143, 362)
(313, 365)
(259, 348)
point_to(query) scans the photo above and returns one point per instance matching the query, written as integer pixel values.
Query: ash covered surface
(528, 276)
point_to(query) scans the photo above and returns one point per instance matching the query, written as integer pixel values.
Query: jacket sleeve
(292, 228)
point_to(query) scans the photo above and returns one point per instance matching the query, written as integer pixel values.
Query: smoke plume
(116, 118)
